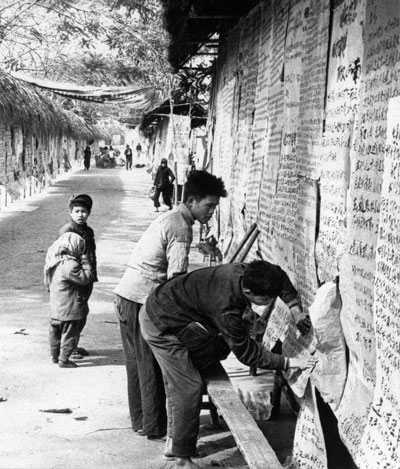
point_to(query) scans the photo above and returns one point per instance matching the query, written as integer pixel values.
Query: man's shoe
(67, 364)
(54, 359)
(157, 437)
(167, 456)
(82, 351)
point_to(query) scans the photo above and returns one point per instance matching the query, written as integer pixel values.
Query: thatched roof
(21, 103)
(193, 23)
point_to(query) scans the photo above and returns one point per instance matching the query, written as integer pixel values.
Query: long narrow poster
(247, 69)
(284, 207)
(380, 81)
(275, 120)
(220, 133)
(313, 85)
(304, 247)
(342, 99)
(260, 126)
(380, 444)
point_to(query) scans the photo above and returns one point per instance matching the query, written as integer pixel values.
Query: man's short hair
(201, 184)
(263, 278)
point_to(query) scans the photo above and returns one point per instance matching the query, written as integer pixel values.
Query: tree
(98, 43)
(43, 36)
(93, 42)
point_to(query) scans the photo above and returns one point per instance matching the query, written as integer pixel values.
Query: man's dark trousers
(146, 395)
(183, 386)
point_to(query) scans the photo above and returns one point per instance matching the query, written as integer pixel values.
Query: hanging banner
(136, 97)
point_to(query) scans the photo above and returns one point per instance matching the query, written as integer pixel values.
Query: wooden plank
(249, 438)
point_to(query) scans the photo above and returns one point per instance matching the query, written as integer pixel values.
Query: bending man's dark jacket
(214, 299)
(87, 234)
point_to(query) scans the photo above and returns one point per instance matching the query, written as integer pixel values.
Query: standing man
(163, 181)
(128, 157)
(193, 321)
(161, 253)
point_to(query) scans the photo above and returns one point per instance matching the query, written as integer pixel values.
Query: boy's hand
(303, 362)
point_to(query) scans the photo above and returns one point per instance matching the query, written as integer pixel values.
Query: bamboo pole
(243, 242)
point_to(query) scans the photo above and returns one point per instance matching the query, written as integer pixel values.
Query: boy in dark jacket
(67, 274)
(80, 207)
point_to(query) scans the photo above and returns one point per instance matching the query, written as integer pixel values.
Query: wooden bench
(250, 440)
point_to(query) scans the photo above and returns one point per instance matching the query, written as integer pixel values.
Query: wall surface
(304, 124)
(30, 160)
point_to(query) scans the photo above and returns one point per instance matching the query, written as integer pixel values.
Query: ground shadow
(102, 357)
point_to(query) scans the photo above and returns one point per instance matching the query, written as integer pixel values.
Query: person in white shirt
(160, 254)
(111, 154)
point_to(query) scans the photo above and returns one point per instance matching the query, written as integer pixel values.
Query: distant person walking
(87, 155)
(163, 184)
(111, 154)
(128, 157)
(138, 150)
(67, 164)
(139, 164)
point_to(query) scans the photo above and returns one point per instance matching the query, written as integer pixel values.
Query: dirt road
(97, 433)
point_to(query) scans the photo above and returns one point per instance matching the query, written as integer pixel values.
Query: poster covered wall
(313, 157)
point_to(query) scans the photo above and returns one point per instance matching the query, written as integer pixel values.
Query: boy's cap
(164, 160)
(81, 199)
